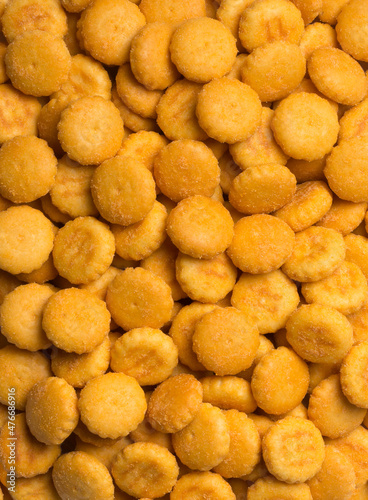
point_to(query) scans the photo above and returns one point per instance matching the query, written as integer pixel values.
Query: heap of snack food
(183, 249)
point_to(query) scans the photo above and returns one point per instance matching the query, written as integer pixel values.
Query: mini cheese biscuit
(311, 201)
(335, 479)
(265, 347)
(313, 117)
(331, 411)
(186, 168)
(138, 298)
(253, 191)
(26, 239)
(229, 14)
(346, 169)
(105, 453)
(355, 448)
(202, 484)
(19, 113)
(176, 112)
(95, 29)
(200, 227)
(173, 11)
(87, 77)
(37, 62)
(293, 449)
(352, 375)
(51, 410)
(71, 191)
(245, 446)
(194, 445)
(47, 123)
(145, 469)
(268, 70)
(135, 95)
(147, 354)
(319, 333)
(8, 283)
(267, 299)
(162, 262)
(266, 21)
(83, 250)
(345, 289)
(123, 190)
(40, 486)
(225, 342)
(90, 130)
(138, 241)
(78, 369)
(182, 331)
(75, 5)
(228, 171)
(112, 405)
(344, 216)
(174, 403)
(27, 15)
(85, 435)
(267, 487)
(318, 251)
(261, 243)
(206, 280)
(21, 369)
(228, 393)
(309, 9)
(80, 475)
(132, 121)
(32, 457)
(351, 29)
(203, 49)
(21, 179)
(260, 148)
(280, 381)
(358, 321)
(28, 302)
(52, 212)
(337, 75)
(356, 251)
(315, 36)
(230, 119)
(150, 56)
(354, 121)
(76, 320)
(143, 146)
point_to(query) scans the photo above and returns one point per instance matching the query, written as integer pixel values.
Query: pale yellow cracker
(293, 449)
(107, 28)
(353, 375)
(51, 410)
(315, 36)
(261, 243)
(21, 369)
(319, 333)
(267, 487)
(228, 392)
(138, 298)
(345, 289)
(90, 130)
(194, 445)
(280, 381)
(21, 179)
(203, 49)
(267, 299)
(201, 484)
(331, 411)
(206, 280)
(311, 201)
(143, 146)
(145, 469)
(26, 239)
(318, 251)
(83, 249)
(225, 342)
(269, 71)
(28, 302)
(228, 110)
(82, 475)
(32, 457)
(351, 29)
(266, 21)
(112, 405)
(344, 216)
(37, 62)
